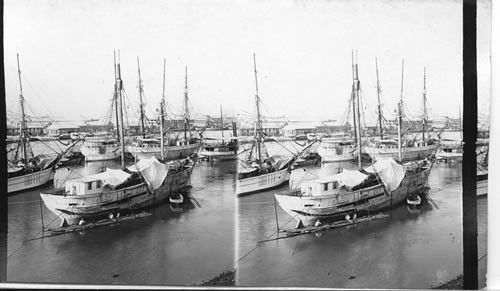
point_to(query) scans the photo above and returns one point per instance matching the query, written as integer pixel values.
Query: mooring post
(276, 214)
(41, 213)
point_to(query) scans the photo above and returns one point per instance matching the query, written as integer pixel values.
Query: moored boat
(482, 149)
(113, 191)
(223, 148)
(259, 173)
(144, 148)
(34, 175)
(100, 148)
(24, 170)
(272, 173)
(337, 150)
(176, 199)
(354, 193)
(450, 150)
(139, 186)
(220, 150)
(482, 184)
(409, 150)
(413, 199)
(331, 198)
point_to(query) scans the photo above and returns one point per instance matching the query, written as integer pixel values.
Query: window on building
(89, 186)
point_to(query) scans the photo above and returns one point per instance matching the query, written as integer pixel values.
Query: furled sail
(152, 170)
(390, 172)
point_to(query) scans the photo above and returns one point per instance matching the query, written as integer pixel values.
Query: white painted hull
(72, 208)
(171, 152)
(309, 209)
(482, 186)
(218, 155)
(29, 181)
(102, 153)
(262, 182)
(409, 154)
(339, 154)
(449, 156)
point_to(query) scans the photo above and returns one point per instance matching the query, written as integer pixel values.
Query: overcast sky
(303, 53)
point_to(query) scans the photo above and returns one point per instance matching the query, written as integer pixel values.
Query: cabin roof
(110, 176)
(337, 139)
(349, 178)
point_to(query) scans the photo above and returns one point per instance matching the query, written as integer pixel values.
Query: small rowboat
(176, 198)
(413, 199)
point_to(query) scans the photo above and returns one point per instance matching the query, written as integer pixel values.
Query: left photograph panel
(121, 146)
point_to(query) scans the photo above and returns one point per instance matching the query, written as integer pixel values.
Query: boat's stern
(292, 203)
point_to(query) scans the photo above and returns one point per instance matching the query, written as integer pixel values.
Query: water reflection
(165, 248)
(412, 248)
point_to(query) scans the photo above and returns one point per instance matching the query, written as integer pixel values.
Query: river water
(167, 248)
(410, 249)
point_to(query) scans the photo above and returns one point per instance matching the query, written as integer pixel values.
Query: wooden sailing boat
(354, 193)
(25, 171)
(262, 173)
(339, 149)
(225, 148)
(451, 149)
(143, 184)
(412, 150)
(144, 148)
(108, 147)
(482, 150)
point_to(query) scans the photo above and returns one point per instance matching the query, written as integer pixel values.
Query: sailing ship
(100, 148)
(141, 185)
(24, 170)
(337, 149)
(353, 193)
(308, 157)
(261, 173)
(104, 147)
(451, 149)
(144, 148)
(482, 149)
(221, 149)
(341, 148)
(412, 149)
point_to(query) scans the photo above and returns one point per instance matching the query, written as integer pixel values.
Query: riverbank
(223, 279)
(454, 284)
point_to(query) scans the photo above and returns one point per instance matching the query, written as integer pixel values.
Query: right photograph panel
(351, 145)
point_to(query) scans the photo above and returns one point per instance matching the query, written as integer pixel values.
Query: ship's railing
(295, 192)
(57, 191)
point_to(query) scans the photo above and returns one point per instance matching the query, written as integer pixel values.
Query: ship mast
(140, 98)
(400, 113)
(162, 111)
(459, 118)
(460, 122)
(354, 102)
(379, 105)
(115, 99)
(424, 119)
(221, 124)
(119, 88)
(258, 128)
(355, 88)
(186, 108)
(23, 129)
